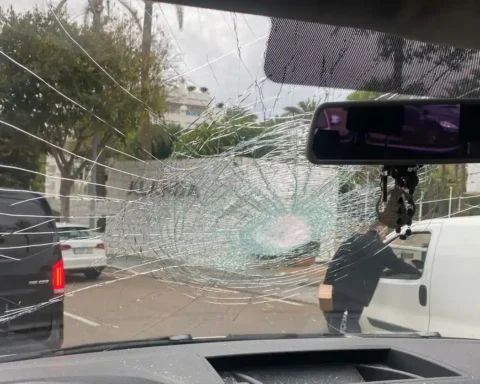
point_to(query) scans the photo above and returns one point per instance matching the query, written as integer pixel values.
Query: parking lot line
(82, 319)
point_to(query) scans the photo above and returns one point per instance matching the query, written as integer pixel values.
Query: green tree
(164, 137)
(304, 108)
(363, 96)
(18, 156)
(437, 194)
(203, 140)
(237, 128)
(97, 15)
(34, 40)
(443, 178)
(97, 12)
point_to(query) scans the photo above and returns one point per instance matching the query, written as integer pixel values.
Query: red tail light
(58, 277)
(100, 246)
(65, 247)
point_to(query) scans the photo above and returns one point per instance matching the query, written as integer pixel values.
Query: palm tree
(96, 8)
(305, 108)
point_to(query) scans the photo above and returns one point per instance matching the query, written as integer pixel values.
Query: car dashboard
(295, 361)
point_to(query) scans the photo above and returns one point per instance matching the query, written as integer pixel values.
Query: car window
(72, 233)
(412, 251)
(25, 228)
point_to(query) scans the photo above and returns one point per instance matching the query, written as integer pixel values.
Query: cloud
(234, 45)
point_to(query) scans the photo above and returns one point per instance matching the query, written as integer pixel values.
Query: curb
(126, 272)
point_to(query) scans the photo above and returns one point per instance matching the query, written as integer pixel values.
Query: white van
(445, 298)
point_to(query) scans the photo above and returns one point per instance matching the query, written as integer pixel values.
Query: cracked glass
(153, 177)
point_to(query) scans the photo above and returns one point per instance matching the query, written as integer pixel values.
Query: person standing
(354, 273)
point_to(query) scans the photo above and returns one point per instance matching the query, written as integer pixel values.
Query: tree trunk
(457, 189)
(463, 184)
(180, 17)
(97, 9)
(146, 134)
(65, 191)
(147, 28)
(442, 189)
(455, 171)
(101, 190)
(463, 179)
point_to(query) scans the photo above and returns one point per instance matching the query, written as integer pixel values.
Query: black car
(32, 278)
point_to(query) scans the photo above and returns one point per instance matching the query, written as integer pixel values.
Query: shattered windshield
(175, 136)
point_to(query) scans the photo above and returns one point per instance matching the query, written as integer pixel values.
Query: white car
(83, 250)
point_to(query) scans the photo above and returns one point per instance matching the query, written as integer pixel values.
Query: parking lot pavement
(120, 306)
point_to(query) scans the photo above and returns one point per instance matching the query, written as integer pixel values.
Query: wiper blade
(275, 336)
(24, 356)
(127, 344)
(96, 347)
(270, 336)
(162, 341)
(421, 335)
(185, 339)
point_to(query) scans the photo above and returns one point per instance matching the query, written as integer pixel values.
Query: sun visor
(321, 55)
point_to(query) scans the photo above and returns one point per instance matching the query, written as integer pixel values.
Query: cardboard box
(325, 297)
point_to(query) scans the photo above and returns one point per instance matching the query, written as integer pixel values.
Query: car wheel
(92, 273)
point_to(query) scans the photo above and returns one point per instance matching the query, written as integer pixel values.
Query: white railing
(450, 199)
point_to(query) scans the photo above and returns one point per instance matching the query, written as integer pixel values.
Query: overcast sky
(219, 50)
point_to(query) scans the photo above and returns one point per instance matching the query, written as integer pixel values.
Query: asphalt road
(121, 306)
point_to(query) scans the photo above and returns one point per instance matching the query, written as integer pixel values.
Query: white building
(189, 105)
(52, 183)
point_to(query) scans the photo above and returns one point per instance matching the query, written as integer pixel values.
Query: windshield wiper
(97, 347)
(155, 342)
(279, 336)
(421, 335)
(183, 339)
(128, 344)
(270, 336)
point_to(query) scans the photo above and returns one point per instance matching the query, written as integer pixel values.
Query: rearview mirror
(399, 132)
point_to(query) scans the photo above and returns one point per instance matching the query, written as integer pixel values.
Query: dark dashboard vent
(338, 366)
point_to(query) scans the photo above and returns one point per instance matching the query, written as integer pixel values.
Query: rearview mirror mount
(400, 135)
